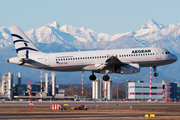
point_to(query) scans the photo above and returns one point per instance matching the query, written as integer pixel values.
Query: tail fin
(24, 46)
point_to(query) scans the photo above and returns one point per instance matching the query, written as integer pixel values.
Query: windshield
(167, 52)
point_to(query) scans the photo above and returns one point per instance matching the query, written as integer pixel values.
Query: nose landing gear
(155, 74)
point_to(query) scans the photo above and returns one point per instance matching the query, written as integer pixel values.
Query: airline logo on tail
(24, 46)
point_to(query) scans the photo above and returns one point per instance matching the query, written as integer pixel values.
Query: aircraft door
(158, 54)
(46, 60)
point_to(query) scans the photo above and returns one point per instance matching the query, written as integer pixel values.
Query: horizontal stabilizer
(26, 60)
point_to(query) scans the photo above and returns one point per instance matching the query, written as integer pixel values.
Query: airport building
(11, 91)
(6, 87)
(134, 90)
(159, 91)
(96, 89)
(107, 89)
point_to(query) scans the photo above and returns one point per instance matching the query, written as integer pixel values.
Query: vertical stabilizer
(24, 46)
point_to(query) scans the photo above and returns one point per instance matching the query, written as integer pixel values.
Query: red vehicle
(79, 108)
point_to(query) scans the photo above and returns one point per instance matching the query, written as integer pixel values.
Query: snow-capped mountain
(151, 34)
(5, 37)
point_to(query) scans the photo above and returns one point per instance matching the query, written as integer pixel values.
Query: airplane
(122, 61)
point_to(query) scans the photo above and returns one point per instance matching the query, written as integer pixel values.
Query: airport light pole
(100, 90)
(117, 87)
(150, 84)
(41, 84)
(82, 84)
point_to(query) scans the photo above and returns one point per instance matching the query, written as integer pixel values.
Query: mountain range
(55, 38)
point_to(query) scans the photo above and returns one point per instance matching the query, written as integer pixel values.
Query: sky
(101, 16)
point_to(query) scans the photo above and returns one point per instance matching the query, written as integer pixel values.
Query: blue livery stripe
(27, 53)
(15, 35)
(20, 41)
(25, 48)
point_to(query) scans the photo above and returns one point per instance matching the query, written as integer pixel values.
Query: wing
(112, 61)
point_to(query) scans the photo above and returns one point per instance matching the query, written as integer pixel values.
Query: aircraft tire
(92, 77)
(156, 74)
(105, 77)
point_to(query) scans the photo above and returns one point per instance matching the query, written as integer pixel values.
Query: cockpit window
(167, 52)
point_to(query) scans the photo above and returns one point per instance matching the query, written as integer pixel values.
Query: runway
(72, 115)
(92, 104)
(96, 109)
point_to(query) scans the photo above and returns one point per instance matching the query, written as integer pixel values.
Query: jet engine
(128, 69)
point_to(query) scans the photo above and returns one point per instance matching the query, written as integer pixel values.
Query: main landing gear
(155, 73)
(93, 77)
(105, 77)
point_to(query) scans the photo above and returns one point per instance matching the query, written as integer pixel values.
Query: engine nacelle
(129, 69)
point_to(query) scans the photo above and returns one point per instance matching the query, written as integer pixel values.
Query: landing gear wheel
(156, 74)
(92, 77)
(105, 77)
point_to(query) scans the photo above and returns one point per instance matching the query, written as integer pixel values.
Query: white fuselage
(76, 61)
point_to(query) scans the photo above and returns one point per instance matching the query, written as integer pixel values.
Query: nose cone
(174, 58)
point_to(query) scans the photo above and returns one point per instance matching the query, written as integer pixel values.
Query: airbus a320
(122, 61)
